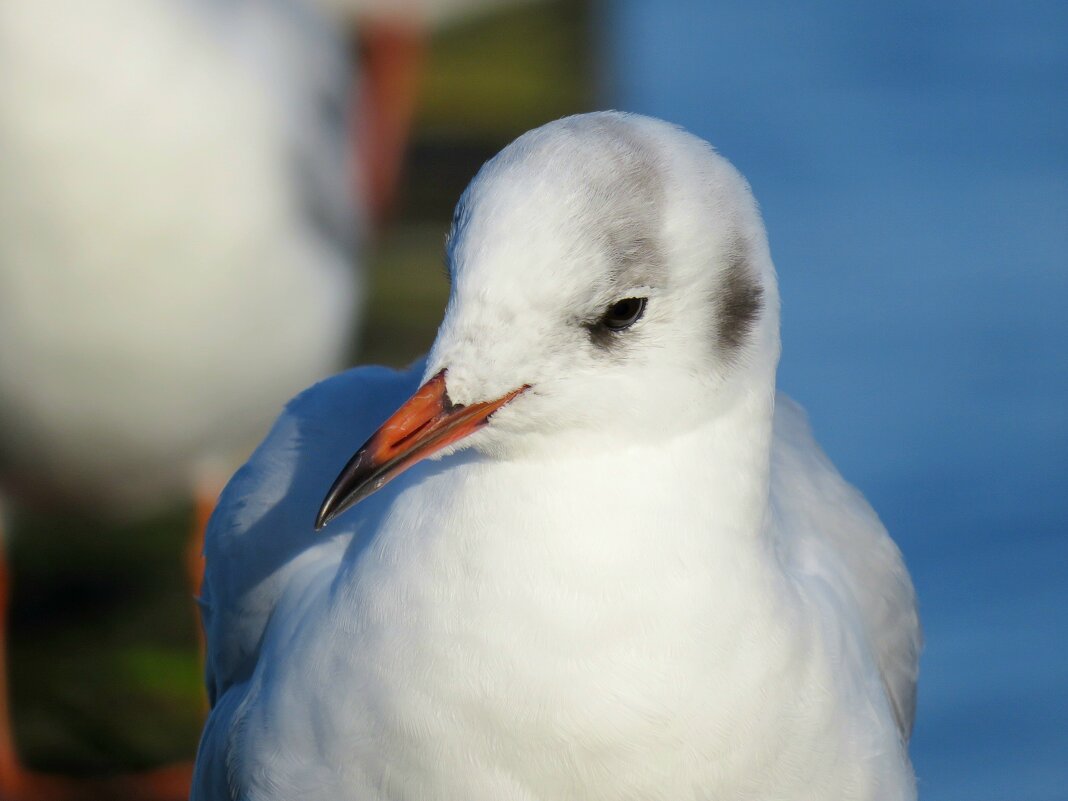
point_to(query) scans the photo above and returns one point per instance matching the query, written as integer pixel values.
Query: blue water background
(911, 160)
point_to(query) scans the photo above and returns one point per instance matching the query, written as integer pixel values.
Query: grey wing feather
(823, 513)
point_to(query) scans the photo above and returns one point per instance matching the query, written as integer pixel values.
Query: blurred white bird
(630, 572)
(178, 236)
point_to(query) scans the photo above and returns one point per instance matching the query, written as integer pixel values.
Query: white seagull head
(610, 279)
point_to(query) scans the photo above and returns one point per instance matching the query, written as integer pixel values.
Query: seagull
(585, 550)
(176, 241)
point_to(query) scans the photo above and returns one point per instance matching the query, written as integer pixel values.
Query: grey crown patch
(630, 206)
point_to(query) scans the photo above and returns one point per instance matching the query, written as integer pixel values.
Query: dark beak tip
(344, 492)
(328, 511)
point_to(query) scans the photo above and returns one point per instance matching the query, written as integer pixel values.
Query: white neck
(601, 513)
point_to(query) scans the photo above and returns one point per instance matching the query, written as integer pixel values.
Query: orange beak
(426, 423)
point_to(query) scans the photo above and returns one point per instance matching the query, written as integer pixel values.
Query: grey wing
(829, 521)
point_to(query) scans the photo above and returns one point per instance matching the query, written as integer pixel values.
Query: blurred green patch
(408, 295)
(162, 670)
(105, 669)
(508, 72)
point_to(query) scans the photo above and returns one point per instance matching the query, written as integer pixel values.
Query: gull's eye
(623, 314)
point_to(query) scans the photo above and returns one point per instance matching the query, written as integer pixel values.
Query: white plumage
(640, 579)
(176, 236)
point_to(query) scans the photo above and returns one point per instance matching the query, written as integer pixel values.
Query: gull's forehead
(585, 192)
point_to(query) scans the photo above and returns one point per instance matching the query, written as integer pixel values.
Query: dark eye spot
(623, 314)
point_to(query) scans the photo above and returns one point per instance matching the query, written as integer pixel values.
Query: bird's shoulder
(827, 530)
(261, 534)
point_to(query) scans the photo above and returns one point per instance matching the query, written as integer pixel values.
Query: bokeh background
(911, 161)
